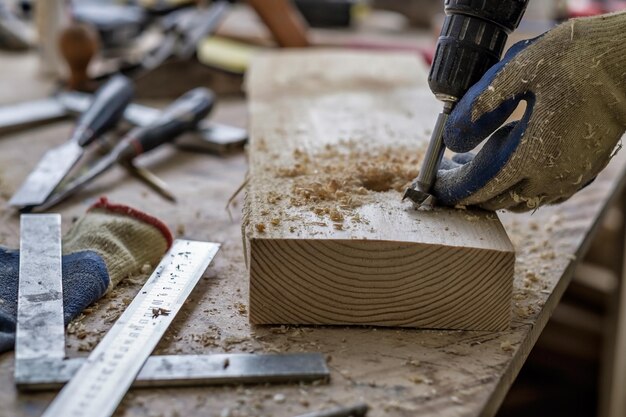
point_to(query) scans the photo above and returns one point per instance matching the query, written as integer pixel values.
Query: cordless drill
(472, 40)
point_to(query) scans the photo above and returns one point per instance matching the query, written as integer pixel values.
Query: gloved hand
(573, 79)
(109, 243)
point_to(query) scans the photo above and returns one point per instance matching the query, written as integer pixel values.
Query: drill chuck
(472, 40)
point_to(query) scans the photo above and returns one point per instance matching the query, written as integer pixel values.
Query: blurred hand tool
(18, 116)
(226, 54)
(78, 43)
(181, 116)
(284, 21)
(117, 24)
(103, 114)
(184, 29)
(209, 136)
(151, 180)
(13, 33)
(472, 40)
(328, 14)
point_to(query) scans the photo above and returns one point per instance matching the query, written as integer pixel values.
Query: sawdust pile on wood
(343, 177)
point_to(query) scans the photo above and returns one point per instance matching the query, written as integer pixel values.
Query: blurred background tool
(226, 54)
(103, 114)
(31, 113)
(154, 182)
(327, 14)
(181, 116)
(14, 34)
(284, 21)
(116, 24)
(78, 44)
(183, 31)
(472, 41)
(209, 136)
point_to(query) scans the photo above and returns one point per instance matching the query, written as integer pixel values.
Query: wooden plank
(335, 137)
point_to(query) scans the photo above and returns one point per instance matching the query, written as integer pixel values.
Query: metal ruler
(40, 332)
(40, 362)
(101, 383)
(191, 370)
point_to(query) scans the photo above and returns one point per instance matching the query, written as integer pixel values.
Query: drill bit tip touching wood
(335, 138)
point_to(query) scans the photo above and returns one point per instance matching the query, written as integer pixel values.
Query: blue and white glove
(573, 79)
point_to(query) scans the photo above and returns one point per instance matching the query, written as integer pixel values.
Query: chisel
(181, 116)
(103, 114)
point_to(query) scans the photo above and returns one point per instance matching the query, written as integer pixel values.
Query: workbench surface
(398, 372)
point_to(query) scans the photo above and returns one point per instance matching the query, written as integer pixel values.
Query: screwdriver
(182, 115)
(472, 40)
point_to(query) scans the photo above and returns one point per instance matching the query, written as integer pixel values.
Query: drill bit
(419, 191)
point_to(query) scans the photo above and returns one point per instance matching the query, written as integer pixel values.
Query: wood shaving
(241, 308)
(506, 346)
(336, 216)
(419, 379)
(413, 362)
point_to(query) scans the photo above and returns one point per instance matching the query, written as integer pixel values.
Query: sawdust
(344, 171)
(208, 338)
(340, 178)
(336, 216)
(506, 346)
(413, 362)
(241, 308)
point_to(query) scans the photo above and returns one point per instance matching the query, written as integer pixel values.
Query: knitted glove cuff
(103, 203)
(125, 238)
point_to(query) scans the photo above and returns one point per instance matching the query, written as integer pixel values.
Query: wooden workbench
(398, 372)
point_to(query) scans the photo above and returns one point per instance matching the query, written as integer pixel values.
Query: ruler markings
(102, 381)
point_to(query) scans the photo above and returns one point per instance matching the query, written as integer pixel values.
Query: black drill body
(472, 40)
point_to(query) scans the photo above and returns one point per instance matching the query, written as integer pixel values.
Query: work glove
(109, 243)
(573, 79)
